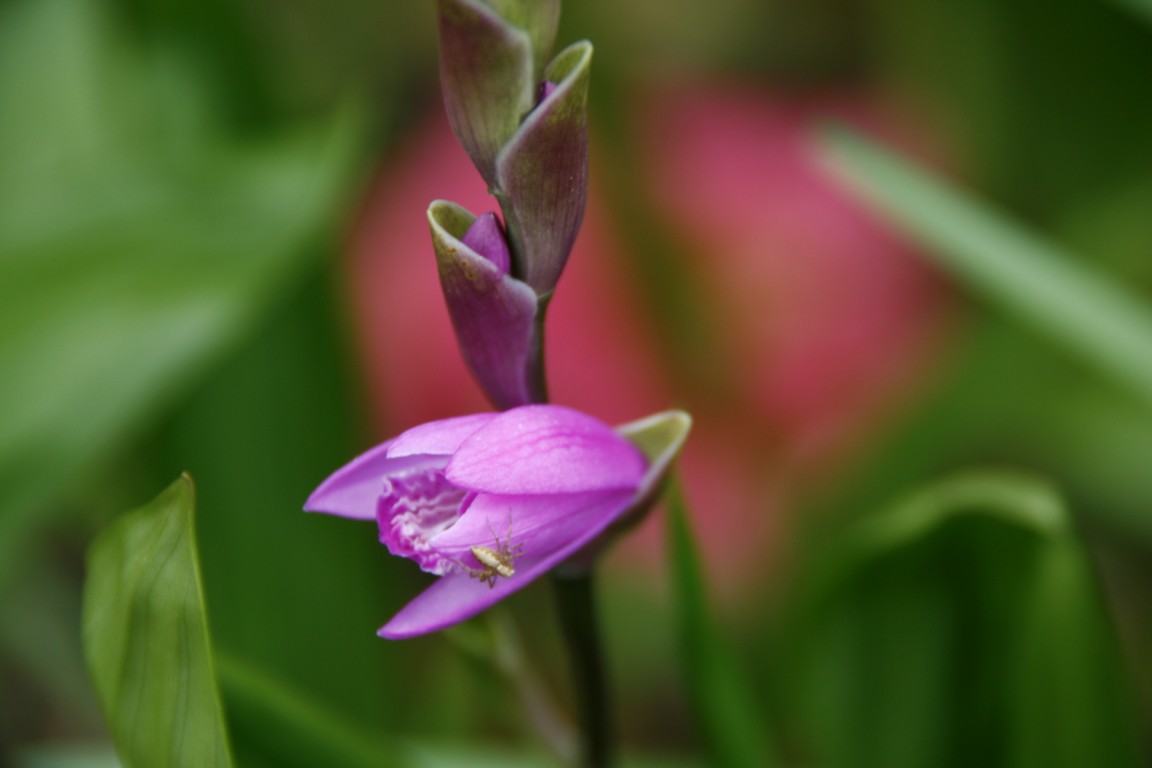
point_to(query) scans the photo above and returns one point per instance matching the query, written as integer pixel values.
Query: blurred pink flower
(825, 320)
(824, 309)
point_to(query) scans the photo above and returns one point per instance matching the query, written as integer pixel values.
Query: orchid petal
(456, 596)
(493, 313)
(352, 490)
(438, 438)
(533, 521)
(659, 437)
(486, 237)
(545, 449)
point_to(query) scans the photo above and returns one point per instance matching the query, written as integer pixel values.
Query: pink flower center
(413, 507)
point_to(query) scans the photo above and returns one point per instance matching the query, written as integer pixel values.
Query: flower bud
(524, 125)
(486, 237)
(494, 314)
(542, 172)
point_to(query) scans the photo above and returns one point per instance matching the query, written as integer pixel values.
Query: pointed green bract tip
(539, 18)
(658, 435)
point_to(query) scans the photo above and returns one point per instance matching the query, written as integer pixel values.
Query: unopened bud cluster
(523, 121)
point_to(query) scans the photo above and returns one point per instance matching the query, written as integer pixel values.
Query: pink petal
(438, 438)
(545, 449)
(538, 523)
(456, 597)
(352, 490)
(486, 237)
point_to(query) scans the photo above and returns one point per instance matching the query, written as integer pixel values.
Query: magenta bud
(486, 237)
(494, 314)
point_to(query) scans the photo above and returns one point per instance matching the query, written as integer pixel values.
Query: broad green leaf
(1091, 315)
(963, 626)
(731, 723)
(146, 638)
(139, 239)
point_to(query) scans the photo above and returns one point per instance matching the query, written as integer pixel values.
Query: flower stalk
(489, 502)
(575, 598)
(523, 120)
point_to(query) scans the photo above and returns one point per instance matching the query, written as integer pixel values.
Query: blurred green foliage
(138, 240)
(175, 178)
(962, 626)
(731, 722)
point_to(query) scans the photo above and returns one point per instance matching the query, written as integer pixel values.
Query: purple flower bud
(495, 316)
(486, 237)
(490, 502)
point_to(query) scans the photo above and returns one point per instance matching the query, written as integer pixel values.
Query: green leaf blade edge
(727, 716)
(1083, 309)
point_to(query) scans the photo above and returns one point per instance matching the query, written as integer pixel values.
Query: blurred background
(214, 259)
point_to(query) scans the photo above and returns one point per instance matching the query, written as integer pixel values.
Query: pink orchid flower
(491, 501)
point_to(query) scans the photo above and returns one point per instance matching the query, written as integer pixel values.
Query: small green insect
(497, 562)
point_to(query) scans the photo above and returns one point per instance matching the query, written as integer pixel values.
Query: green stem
(537, 373)
(499, 645)
(553, 728)
(578, 623)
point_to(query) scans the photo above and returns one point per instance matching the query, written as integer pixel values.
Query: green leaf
(729, 720)
(963, 626)
(139, 240)
(146, 638)
(1084, 310)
